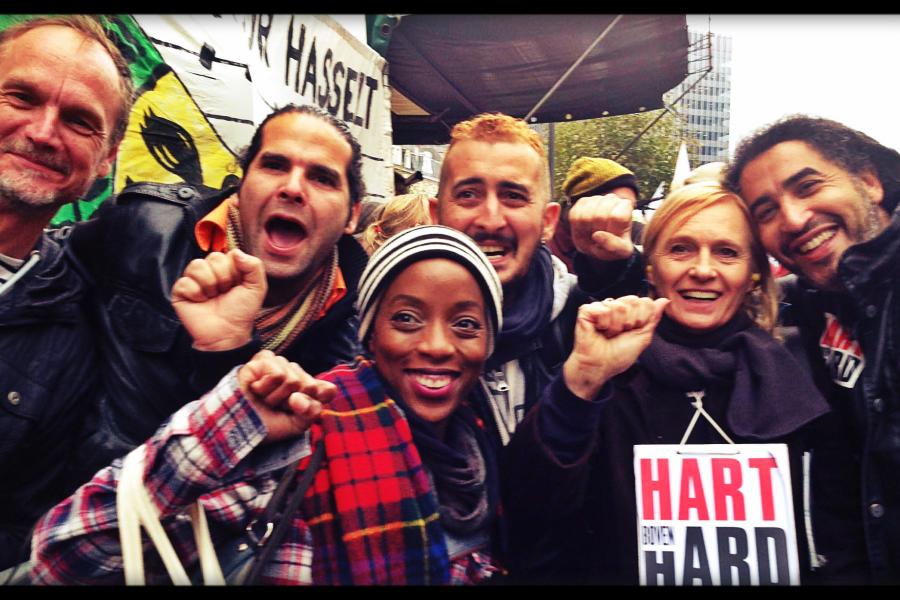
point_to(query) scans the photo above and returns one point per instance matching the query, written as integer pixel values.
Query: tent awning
(454, 66)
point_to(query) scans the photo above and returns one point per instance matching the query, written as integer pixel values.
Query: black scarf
(528, 313)
(772, 394)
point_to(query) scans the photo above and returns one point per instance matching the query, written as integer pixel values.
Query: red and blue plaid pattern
(377, 517)
(370, 516)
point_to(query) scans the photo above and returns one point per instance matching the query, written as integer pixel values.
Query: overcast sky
(844, 67)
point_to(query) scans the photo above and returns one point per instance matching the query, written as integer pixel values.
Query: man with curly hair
(824, 200)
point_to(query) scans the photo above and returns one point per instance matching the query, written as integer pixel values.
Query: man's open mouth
(285, 233)
(494, 250)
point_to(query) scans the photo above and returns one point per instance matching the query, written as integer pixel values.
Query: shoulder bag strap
(280, 512)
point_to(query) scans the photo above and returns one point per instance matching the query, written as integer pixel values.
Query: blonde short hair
(680, 206)
(399, 213)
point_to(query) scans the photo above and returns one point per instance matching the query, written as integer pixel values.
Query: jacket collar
(51, 290)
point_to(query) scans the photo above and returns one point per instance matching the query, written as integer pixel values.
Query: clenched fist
(218, 297)
(286, 398)
(601, 227)
(609, 337)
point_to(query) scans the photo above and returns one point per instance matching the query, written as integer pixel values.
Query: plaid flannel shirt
(200, 453)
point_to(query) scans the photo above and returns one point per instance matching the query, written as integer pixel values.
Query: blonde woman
(399, 213)
(635, 369)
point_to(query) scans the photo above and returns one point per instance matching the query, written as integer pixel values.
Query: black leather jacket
(136, 248)
(47, 376)
(853, 341)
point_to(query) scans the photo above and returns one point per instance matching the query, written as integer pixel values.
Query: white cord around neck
(697, 403)
(20, 273)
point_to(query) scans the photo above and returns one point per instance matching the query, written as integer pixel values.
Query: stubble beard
(870, 225)
(17, 192)
(21, 190)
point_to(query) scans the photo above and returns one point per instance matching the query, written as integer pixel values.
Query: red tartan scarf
(377, 520)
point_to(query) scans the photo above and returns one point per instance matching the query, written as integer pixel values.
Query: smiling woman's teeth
(698, 295)
(432, 381)
(817, 241)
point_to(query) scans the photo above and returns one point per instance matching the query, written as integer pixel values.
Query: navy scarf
(772, 394)
(527, 314)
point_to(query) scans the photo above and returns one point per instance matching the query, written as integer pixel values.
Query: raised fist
(601, 227)
(609, 337)
(218, 297)
(286, 398)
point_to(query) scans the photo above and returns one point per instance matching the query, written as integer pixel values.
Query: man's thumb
(612, 243)
(251, 268)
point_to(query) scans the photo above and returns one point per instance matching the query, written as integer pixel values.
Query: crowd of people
(461, 380)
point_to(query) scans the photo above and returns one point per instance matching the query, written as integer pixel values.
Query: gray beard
(16, 192)
(873, 225)
(870, 227)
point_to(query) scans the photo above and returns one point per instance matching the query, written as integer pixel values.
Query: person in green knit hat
(589, 176)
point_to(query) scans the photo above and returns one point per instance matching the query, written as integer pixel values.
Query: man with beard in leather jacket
(295, 209)
(824, 200)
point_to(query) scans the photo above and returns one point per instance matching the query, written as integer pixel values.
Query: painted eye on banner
(169, 140)
(172, 147)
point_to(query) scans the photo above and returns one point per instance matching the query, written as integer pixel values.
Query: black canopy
(447, 68)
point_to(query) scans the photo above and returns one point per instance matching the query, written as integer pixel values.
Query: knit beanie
(420, 243)
(595, 177)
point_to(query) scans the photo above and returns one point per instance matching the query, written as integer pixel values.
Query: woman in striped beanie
(407, 490)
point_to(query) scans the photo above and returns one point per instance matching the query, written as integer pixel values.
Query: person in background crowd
(369, 212)
(294, 209)
(399, 213)
(417, 503)
(824, 198)
(495, 187)
(712, 171)
(65, 95)
(590, 176)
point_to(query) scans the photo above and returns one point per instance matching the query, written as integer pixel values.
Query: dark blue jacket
(47, 373)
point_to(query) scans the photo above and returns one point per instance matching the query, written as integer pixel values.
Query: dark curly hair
(848, 148)
(354, 169)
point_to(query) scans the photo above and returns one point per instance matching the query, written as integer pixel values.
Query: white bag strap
(209, 562)
(136, 509)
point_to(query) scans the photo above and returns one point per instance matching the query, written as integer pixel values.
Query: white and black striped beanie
(420, 243)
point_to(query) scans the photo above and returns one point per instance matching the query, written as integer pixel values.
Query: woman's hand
(287, 398)
(609, 337)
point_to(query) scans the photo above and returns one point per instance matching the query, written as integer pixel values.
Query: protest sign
(715, 514)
